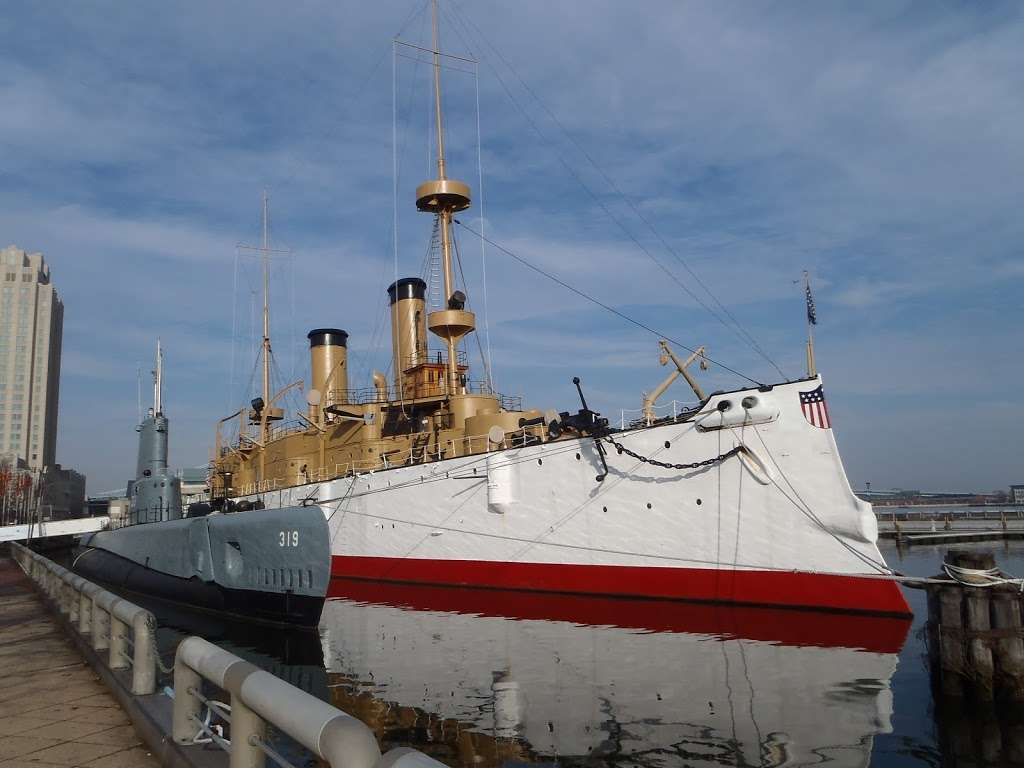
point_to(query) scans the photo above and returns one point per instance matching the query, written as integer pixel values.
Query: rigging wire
(480, 220)
(234, 332)
(738, 330)
(479, 346)
(598, 302)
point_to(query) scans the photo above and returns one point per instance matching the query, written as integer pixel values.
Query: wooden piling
(976, 651)
(1009, 643)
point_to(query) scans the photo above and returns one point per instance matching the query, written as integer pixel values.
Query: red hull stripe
(781, 588)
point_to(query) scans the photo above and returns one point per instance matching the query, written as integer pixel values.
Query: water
(479, 678)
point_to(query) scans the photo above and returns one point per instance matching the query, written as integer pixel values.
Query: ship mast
(265, 257)
(444, 197)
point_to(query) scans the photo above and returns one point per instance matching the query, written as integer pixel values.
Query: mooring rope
(980, 577)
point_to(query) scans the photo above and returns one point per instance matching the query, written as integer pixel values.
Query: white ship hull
(777, 524)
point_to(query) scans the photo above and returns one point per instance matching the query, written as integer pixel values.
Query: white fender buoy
(502, 477)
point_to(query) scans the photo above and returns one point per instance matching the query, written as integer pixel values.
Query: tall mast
(158, 381)
(439, 114)
(444, 197)
(265, 252)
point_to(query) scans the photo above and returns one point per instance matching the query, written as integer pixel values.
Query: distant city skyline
(878, 146)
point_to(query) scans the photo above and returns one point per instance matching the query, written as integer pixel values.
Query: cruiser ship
(429, 476)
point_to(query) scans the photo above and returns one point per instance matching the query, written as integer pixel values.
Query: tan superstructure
(431, 411)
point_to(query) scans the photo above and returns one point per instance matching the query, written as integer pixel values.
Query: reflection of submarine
(295, 656)
(502, 677)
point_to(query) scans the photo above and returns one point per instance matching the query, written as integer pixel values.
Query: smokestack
(328, 354)
(408, 325)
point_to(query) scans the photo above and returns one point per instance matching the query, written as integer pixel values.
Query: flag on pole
(812, 315)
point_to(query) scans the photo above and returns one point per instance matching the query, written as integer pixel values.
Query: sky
(662, 157)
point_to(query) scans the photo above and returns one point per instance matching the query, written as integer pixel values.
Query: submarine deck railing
(257, 698)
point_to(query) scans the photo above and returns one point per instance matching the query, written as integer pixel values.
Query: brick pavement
(53, 710)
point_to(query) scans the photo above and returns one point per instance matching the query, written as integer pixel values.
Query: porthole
(699, 502)
(577, 457)
(648, 505)
(668, 444)
(604, 509)
(540, 462)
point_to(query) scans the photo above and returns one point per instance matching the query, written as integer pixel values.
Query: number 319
(288, 538)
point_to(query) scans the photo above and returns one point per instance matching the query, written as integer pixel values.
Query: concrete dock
(54, 711)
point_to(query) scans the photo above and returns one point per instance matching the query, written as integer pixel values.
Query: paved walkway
(53, 710)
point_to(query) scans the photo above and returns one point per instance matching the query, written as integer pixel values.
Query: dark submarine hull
(265, 565)
(123, 575)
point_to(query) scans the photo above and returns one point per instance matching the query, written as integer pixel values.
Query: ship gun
(583, 422)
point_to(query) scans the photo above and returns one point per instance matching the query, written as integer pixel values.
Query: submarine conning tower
(328, 365)
(155, 495)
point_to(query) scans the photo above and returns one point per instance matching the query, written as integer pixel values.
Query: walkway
(53, 710)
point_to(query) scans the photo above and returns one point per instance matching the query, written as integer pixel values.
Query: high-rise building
(31, 329)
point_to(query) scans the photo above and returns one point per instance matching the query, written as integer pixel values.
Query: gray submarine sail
(268, 565)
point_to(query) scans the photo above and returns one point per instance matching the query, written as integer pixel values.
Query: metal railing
(258, 698)
(672, 410)
(468, 445)
(106, 621)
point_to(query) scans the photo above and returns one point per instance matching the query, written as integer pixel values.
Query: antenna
(138, 386)
(158, 375)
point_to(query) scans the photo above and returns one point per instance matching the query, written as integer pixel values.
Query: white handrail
(101, 617)
(257, 698)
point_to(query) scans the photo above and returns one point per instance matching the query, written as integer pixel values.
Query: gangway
(51, 528)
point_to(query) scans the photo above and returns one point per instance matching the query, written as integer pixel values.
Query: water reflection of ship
(478, 680)
(293, 654)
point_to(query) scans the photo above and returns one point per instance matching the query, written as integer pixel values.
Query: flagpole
(812, 368)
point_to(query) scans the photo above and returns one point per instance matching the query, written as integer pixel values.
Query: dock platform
(54, 710)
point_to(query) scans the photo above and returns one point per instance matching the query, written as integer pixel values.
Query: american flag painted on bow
(815, 409)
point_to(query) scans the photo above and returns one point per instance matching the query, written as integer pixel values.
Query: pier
(946, 526)
(54, 710)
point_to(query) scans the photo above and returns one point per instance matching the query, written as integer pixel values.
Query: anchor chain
(667, 465)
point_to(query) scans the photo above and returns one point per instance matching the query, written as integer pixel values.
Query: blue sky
(877, 145)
